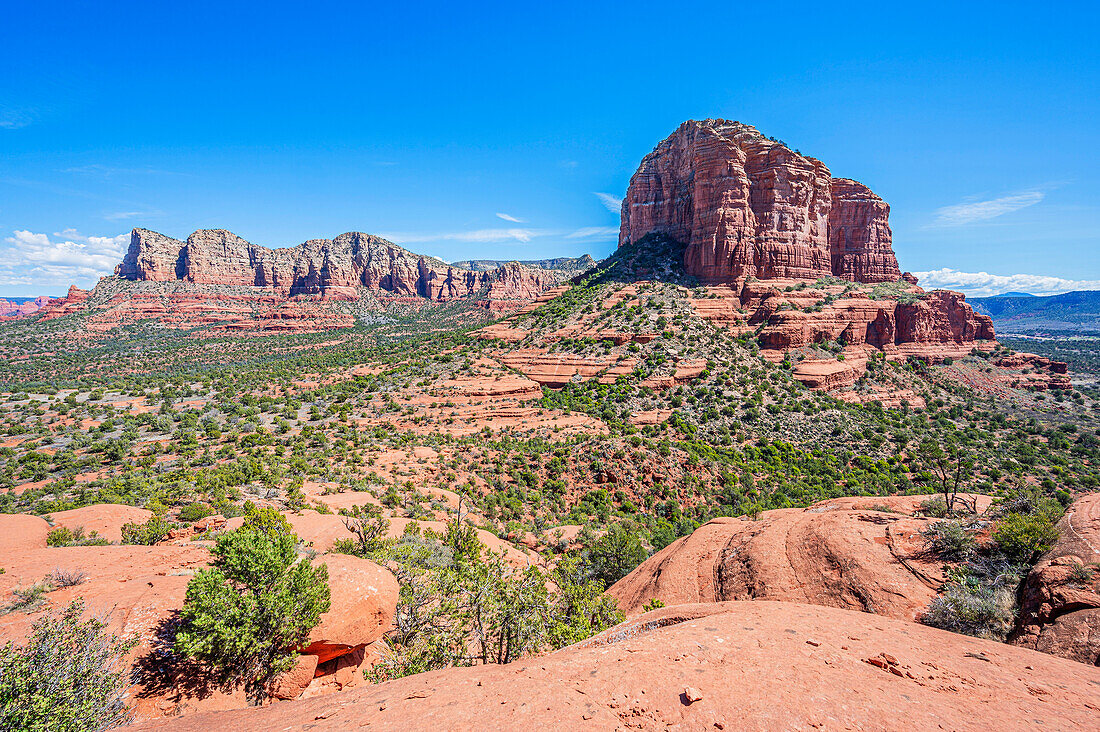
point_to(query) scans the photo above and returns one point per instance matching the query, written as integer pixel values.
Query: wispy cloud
(66, 257)
(123, 215)
(508, 217)
(13, 118)
(983, 284)
(971, 212)
(479, 236)
(598, 233)
(109, 171)
(611, 203)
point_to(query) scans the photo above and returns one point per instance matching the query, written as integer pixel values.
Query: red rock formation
(336, 268)
(747, 206)
(938, 317)
(727, 666)
(72, 302)
(10, 310)
(1060, 600)
(860, 240)
(839, 553)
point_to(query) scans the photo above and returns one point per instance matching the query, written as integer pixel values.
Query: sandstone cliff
(748, 206)
(335, 268)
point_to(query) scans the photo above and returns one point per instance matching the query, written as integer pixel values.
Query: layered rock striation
(748, 206)
(851, 553)
(330, 268)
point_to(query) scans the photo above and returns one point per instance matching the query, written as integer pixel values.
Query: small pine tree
(246, 614)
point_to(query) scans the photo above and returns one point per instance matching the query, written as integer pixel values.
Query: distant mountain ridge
(1075, 312)
(559, 264)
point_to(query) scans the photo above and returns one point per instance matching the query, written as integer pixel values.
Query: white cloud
(507, 217)
(983, 284)
(611, 203)
(122, 215)
(599, 233)
(65, 258)
(480, 236)
(970, 212)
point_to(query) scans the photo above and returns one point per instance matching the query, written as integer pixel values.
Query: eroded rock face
(860, 240)
(1060, 600)
(335, 268)
(732, 666)
(747, 206)
(844, 553)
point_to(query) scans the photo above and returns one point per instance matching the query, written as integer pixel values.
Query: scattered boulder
(291, 684)
(364, 597)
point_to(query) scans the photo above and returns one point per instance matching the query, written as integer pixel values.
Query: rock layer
(747, 206)
(335, 268)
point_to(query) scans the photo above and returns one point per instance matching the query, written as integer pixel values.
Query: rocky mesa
(332, 268)
(217, 281)
(745, 205)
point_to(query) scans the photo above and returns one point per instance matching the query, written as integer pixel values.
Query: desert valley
(744, 473)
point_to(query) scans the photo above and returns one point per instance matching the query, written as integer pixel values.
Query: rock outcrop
(846, 553)
(728, 666)
(72, 302)
(336, 268)
(1060, 600)
(745, 205)
(11, 310)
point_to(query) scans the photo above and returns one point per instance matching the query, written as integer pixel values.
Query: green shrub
(948, 539)
(982, 610)
(68, 677)
(148, 533)
(64, 536)
(579, 608)
(193, 512)
(245, 616)
(934, 507)
(60, 536)
(1021, 536)
(616, 553)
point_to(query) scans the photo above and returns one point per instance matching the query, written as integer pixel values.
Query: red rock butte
(745, 205)
(332, 268)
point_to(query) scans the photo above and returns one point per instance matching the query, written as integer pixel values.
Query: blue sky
(508, 130)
